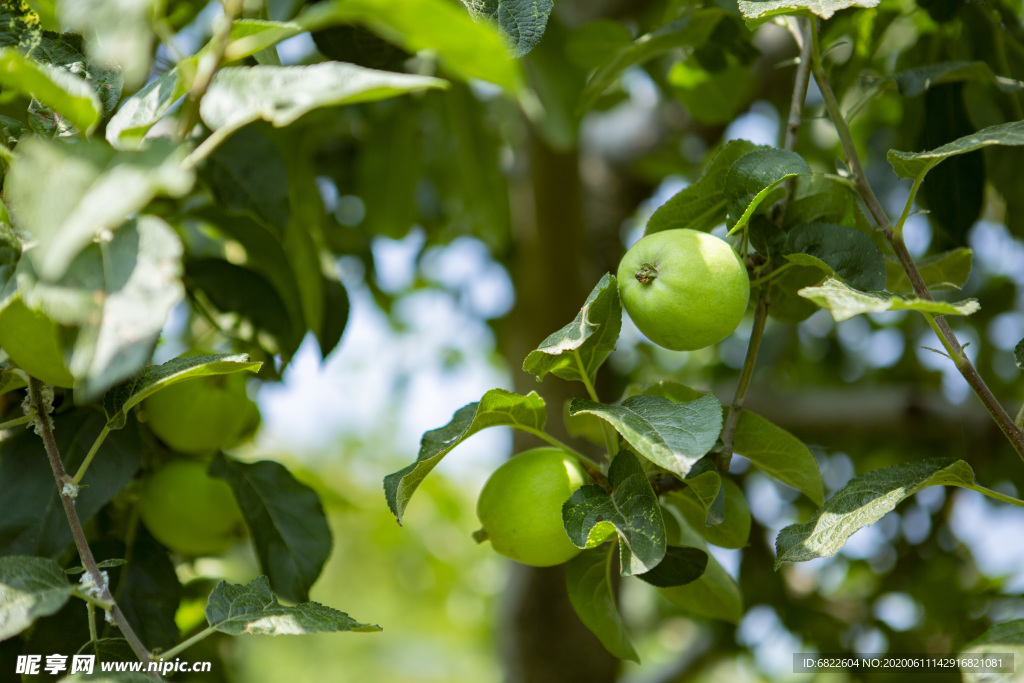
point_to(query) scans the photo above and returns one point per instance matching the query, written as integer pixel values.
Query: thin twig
(208, 65)
(733, 418)
(1013, 433)
(792, 135)
(65, 486)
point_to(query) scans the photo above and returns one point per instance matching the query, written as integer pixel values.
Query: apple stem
(37, 396)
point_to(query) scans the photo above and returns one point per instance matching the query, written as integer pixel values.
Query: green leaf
(286, 519)
(591, 44)
(714, 594)
(845, 302)
(778, 454)
(523, 21)
(11, 380)
(954, 192)
(913, 82)
(266, 256)
(818, 198)
(588, 583)
(34, 521)
(732, 532)
(693, 29)
(252, 36)
(138, 113)
(30, 588)
(236, 609)
(119, 400)
(704, 487)
(497, 408)
(673, 391)
(758, 11)
(577, 351)
(680, 567)
(389, 177)
(671, 435)
(239, 95)
(108, 650)
(917, 164)
(1018, 354)
(117, 34)
(237, 289)
(149, 593)
(752, 178)
(119, 292)
(702, 206)
(948, 270)
(247, 175)
(127, 128)
(712, 97)
(90, 190)
(467, 48)
(336, 310)
(849, 253)
(1004, 638)
(787, 304)
(632, 508)
(865, 500)
(56, 89)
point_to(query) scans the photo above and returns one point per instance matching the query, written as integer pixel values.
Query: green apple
(684, 289)
(520, 507)
(202, 414)
(189, 511)
(33, 343)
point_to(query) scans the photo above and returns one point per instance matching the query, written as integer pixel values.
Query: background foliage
(426, 229)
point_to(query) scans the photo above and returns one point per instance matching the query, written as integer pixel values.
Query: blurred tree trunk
(543, 641)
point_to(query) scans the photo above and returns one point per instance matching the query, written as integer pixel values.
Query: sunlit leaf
(672, 435)
(236, 609)
(497, 408)
(757, 11)
(917, 164)
(523, 21)
(281, 94)
(862, 502)
(122, 398)
(844, 302)
(631, 508)
(30, 588)
(778, 454)
(576, 351)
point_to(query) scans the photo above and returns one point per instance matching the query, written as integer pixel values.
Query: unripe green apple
(684, 289)
(203, 414)
(189, 511)
(32, 340)
(520, 507)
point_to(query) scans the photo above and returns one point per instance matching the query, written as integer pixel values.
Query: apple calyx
(646, 273)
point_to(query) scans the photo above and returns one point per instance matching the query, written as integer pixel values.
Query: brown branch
(1006, 424)
(44, 427)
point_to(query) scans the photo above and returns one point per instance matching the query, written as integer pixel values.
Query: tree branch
(1006, 424)
(40, 403)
